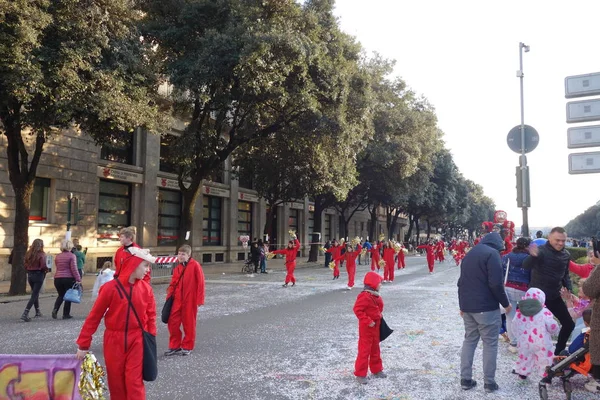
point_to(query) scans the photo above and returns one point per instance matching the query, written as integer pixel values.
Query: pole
(69, 198)
(523, 158)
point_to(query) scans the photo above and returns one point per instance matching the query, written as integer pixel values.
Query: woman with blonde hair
(65, 277)
(35, 264)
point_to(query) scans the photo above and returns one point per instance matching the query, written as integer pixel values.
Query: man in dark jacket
(480, 290)
(549, 265)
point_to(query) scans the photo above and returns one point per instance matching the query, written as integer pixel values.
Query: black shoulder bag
(149, 362)
(166, 310)
(384, 330)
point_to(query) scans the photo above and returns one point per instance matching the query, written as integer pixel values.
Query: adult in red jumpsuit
(401, 259)
(430, 250)
(389, 253)
(440, 249)
(290, 260)
(375, 256)
(123, 343)
(350, 257)
(187, 289)
(336, 252)
(127, 240)
(368, 309)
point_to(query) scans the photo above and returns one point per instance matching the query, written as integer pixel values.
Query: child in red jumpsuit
(368, 309)
(401, 259)
(336, 252)
(187, 288)
(123, 342)
(290, 260)
(375, 256)
(429, 249)
(350, 257)
(389, 253)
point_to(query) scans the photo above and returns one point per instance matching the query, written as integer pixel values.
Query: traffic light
(523, 184)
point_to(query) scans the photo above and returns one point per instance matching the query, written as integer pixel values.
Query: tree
(66, 63)
(586, 224)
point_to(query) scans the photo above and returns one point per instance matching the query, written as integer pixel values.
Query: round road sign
(532, 139)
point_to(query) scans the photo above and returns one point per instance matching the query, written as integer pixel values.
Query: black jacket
(481, 286)
(549, 270)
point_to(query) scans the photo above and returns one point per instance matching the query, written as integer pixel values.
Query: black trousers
(36, 281)
(558, 307)
(62, 285)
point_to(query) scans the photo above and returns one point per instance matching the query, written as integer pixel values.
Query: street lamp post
(523, 158)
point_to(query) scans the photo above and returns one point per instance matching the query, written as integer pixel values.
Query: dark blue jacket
(516, 272)
(480, 286)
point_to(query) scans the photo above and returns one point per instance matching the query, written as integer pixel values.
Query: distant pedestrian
(264, 250)
(291, 252)
(539, 239)
(80, 257)
(549, 265)
(389, 254)
(327, 254)
(255, 255)
(105, 275)
(368, 309)
(430, 250)
(35, 264)
(480, 290)
(188, 295)
(402, 257)
(335, 250)
(65, 277)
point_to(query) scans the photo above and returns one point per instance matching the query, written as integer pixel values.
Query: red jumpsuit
(429, 249)
(290, 261)
(368, 309)
(123, 343)
(375, 257)
(508, 246)
(121, 255)
(188, 296)
(401, 260)
(350, 257)
(440, 249)
(388, 256)
(336, 252)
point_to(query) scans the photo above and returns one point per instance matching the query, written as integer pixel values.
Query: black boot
(55, 313)
(38, 313)
(25, 316)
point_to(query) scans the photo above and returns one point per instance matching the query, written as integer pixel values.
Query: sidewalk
(162, 276)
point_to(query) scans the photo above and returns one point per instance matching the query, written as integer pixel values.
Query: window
(119, 149)
(244, 218)
(211, 223)
(293, 220)
(166, 164)
(169, 216)
(114, 209)
(327, 227)
(38, 205)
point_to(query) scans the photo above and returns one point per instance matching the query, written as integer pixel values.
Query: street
(257, 340)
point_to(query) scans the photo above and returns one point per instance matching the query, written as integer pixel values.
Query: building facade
(129, 182)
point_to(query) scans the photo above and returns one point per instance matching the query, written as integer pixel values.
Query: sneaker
(185, 352)
(467, 384)
(348, 288)
(513, 349)
(592, 386)
(172, 352)
(491, 387)
(380, 374)
(67, 316)
(362, 380)
(284, 285)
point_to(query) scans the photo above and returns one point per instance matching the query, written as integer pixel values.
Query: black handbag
(150, 358)
(384, 330)
(166, 310)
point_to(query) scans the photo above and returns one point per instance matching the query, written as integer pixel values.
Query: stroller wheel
(543, 391)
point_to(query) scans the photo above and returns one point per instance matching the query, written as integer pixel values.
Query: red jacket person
(187, 288)
(290, 260)
(123, 342)
(350, 257)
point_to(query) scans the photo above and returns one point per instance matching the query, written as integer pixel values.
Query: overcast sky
(463, 56)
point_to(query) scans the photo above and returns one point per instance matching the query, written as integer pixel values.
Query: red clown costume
(429, 249)
(440, 249)
(187, 288)
(389, 253)
(123, 342)
(350, 257)
(336, 252)
(291, 253)
(507, 230)
(375, 256)
(368, 309)
(401, 257)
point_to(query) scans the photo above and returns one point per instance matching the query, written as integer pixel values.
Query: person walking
(35, 264)
(291, 252)
(480, 290)
(255, 254)
(350, 257)
(127, 305)
(335, 250)
(389, 254)
(549, 265)
(430, 250)
(188, 295)
(327, 254)
(80, 257)
(517, 282)
(65, 277)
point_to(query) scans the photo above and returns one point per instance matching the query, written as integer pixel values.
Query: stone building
(129, 183)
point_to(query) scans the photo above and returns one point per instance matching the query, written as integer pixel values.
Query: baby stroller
(565, 367)
(248, 267)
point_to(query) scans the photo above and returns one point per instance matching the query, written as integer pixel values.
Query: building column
(147, 198)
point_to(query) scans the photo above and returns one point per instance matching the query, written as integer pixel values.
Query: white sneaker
(348, 288)
(513, 349)
(592, 386)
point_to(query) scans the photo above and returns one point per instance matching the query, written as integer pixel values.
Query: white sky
(463, 56)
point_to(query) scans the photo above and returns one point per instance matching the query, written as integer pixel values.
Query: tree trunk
(394, 223)
(18, 279)
(269, 223)
(418, 230)
(343, 227)
(372, 231)
(316, 241)
(428, 229)
(190, 196)
(411, 221)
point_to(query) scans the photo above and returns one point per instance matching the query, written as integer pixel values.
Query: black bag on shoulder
(150, 358)
(384, 330)
(166, 310)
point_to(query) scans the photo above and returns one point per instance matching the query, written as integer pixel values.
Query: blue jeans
(514, 296)
(263, 264)
(486, 326)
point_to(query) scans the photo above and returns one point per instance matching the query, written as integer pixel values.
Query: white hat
(144, 254)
